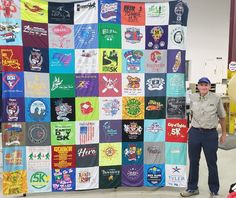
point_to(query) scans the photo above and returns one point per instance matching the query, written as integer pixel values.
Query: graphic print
(133, 108)
(86, 12)
(38, 134)
(61, 36)
(13, 110)
(13, 84)
(109, 11)
(11, 58)
(38, 109)
(63, 179)
(10, 9)
(93, 95)
(110, 61)
(10, 32)
(36, 59)
(13, 134)
(34, 11)
(87, 132)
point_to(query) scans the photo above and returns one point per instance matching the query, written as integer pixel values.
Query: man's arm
(223, 128)
(222, 115)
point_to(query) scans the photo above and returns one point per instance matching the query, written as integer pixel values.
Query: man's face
(204, 88)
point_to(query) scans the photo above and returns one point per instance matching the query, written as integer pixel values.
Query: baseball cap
(204, 80)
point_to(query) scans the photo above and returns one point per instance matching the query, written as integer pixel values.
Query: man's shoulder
(214, 95)
(194, 95)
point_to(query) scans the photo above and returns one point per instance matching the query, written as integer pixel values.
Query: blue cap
(204, 80)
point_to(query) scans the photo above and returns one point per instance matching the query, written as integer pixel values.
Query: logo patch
(133, 35)
(109, 11)
(35, 60)
(39, 180)
(13, 110)
(11, 80)
(154, 175)
(37, 133)
(8, 60)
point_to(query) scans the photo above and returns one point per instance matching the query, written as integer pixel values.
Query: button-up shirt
(206, 110)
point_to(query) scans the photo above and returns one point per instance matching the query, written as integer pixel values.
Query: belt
(204, 129)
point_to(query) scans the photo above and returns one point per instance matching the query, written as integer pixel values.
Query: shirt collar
(204, 97)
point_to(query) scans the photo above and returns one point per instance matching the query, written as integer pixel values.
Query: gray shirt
(206, 110)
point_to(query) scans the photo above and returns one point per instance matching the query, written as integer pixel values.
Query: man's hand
(223, 127)
(222, 138)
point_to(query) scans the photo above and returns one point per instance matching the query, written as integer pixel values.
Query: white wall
(207, 35)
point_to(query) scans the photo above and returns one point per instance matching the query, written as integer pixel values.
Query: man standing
(206, 110)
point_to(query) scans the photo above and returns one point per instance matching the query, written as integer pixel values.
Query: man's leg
(210, 147)
(194, 151)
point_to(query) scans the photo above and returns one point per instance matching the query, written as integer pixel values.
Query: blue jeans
(208, 140)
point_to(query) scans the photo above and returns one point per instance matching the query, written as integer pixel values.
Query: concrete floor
(227, 174)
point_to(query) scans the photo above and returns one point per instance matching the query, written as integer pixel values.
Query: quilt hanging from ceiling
(93, 95)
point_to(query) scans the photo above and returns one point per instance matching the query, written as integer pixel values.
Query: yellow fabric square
(34, 11)
(133, 108)
(109, 154)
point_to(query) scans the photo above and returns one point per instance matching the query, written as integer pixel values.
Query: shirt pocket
(211, 108)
